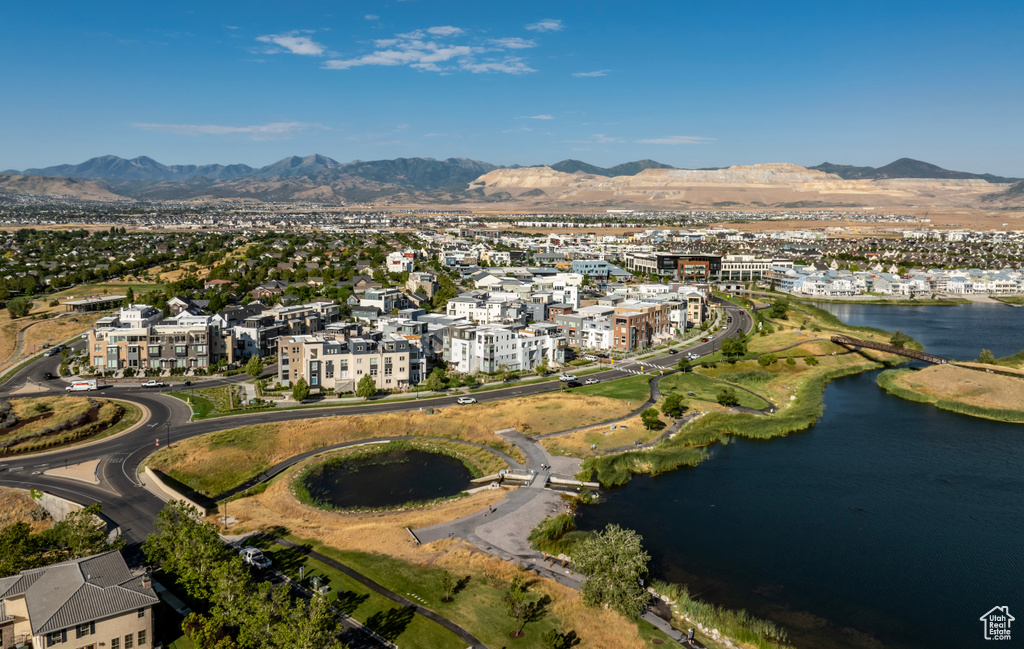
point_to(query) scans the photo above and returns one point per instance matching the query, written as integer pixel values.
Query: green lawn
(633, 388)
(370, 608)
(477, 607)
(705, 389)
(201, 406)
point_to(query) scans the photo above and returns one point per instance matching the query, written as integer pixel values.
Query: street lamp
(168, 426)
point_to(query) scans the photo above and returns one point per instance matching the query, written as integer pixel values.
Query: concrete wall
(56, 507)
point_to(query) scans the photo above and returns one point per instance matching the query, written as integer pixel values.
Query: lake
(888, 519)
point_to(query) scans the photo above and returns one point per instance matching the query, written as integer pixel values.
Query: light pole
(168, 426)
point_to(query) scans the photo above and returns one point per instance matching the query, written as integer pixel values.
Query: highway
(130, 506)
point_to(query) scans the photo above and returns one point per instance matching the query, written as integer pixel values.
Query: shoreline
(890, 382)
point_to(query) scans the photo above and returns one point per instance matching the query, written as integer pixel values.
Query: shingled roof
(66, 594)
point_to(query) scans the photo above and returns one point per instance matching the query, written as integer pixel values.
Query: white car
(462, 401)
(254, 557)
(567, 377)
(153, 384)
(592, 381)
(590, 357)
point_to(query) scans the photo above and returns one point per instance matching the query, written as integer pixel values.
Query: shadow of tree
(537, 611)
(348, 601)
(288, 560)
(460, 585)
(391, 623)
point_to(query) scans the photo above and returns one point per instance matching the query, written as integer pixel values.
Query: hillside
(626, 169)
(91, 190)
(905, 168)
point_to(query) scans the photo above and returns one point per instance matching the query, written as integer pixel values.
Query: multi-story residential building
(639, 324)
(748, 268)
(598, 268)
(488, 308)
(470, 349)
(425, 283)
(84, 603)
(328, 363)
(686, 266)
(385, 299)
(400, 261)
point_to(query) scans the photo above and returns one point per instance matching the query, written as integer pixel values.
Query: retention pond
(386, 479)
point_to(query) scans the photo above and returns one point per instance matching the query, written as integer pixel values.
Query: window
(154, 350)
(83, 630)
(115, 643)
(129, 641)
(142, 637)
(54, 638)
(181, 350)
(200, 349)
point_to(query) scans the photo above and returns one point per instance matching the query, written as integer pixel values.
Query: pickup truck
(154, 384)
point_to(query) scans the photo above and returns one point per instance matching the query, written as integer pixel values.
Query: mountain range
(409, 180)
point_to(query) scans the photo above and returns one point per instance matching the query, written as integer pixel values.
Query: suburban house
(82, 604)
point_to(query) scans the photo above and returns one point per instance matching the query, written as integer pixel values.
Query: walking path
(466, 636)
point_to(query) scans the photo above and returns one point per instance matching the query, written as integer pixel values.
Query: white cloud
(513, 43)
(540, 117)
(546, 25)
(371, 17)
(255, 131)
(677, 139)
(294, 43)
(427, 51)
(445, 30)
(595, 73)
(510, 65)
(601, 138)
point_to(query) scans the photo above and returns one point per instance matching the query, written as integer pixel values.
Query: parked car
(254, 557)
(153, 383)
(590, 357)
(187, 383)
(572, 384)
(672, 351)
(592, 381)
(567, 377)
(703, 340)
(466, 400)
(47, 376)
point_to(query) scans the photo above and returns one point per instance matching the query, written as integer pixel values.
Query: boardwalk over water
(846, 341)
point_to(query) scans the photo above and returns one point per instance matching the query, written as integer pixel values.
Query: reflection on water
(388, 479)
(889, 518)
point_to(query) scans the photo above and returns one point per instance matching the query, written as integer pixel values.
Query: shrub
(764, 360)
(727, 397)
(810, 360)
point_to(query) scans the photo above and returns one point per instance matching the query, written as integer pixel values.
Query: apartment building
(748, 268)
(80, 604)
(488, 308)
(329, 363)
(138, 338)
(470, 348)
(385, 299)
(639, 324)
(694, 267)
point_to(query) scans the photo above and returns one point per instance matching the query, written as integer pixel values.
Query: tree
(552, 639)
(683, 365)
(734, 347)
(615, 565)
(778, 308)
(727, 397)
(436, 381)
(300, 391)
(987, 357)
(254, 366)
(542, 367)
(520, 608)
(764, 360)
(674, 405)
(311, 625)
(129, 296)
(448, 586)
(186, 547)
(19, 307)
(899, 339)
(366, 387)
(650, 419)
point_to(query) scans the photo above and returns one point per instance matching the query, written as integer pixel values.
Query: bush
(764, 360)
(900, 339)
(674, 405)
(727, 397)
(810, 360)
(19, 307)
(650, 419)
(790, 361)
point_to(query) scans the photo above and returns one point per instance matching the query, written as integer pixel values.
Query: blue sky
(691, 84)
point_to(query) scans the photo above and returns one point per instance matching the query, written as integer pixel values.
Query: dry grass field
(16, 506)
(626, 433)
(218, 461)
(38, 332)
(968, 386)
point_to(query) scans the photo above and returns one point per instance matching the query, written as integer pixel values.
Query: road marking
(39, 465)
(16, 468)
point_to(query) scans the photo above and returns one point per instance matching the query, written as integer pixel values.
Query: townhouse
(329, 362)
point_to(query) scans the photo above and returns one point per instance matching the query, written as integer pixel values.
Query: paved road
(130, 506)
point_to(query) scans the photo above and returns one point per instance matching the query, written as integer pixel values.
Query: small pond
(386, 479)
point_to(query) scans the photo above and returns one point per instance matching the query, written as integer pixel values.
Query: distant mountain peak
(905, 168)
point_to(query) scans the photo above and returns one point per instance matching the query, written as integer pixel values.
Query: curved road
(129, 505)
